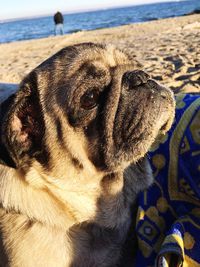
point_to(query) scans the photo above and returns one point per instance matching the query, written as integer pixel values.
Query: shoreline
(168, 49)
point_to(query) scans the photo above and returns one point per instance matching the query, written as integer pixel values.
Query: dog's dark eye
(90, 99)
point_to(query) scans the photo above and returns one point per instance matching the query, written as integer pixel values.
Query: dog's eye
(90, 99)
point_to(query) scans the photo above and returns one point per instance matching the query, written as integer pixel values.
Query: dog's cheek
(81, 118)
(96, 145)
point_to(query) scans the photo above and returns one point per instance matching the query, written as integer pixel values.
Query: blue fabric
(168, 222)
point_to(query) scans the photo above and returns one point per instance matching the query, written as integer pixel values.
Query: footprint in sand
(194, 69)
(176, 61)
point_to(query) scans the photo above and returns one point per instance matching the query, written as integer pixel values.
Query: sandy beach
(168, 49)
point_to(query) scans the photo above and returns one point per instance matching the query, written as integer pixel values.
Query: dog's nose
(135, 78)
(155, 88)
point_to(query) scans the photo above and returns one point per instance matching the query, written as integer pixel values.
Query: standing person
(58, 20)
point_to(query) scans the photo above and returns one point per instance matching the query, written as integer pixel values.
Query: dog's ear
(23, 127)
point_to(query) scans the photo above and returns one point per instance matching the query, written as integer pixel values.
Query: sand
(168, 49)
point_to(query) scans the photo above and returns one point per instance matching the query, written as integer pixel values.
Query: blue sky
(24, 8)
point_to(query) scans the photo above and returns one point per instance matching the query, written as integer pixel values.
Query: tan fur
(71, 206)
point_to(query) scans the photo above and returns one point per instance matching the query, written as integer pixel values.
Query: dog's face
(87, 105)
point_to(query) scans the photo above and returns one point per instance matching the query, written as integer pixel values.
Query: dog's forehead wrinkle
(96, 70)
(109, 55)
(115, 56)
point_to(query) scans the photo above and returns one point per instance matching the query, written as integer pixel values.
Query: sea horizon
(80, 11)
(42, 26)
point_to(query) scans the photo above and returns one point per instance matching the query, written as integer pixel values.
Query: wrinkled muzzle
(137, 109)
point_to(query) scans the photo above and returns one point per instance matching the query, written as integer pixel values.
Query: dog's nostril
(156, 89)
(164, 94)
(136, 78)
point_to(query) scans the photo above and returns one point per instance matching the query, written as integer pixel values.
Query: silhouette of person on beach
(58, 20)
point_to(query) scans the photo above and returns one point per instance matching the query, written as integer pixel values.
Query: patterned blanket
(168, 222)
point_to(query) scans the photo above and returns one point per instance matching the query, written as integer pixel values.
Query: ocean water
(35, 28)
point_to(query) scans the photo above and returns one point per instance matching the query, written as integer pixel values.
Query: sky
(26, 8)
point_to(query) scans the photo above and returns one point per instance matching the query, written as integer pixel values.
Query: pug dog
(72, 150)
